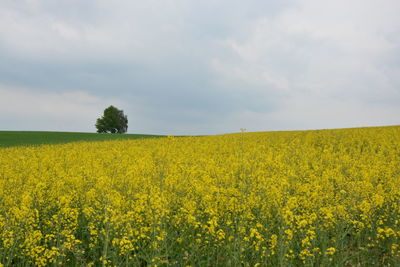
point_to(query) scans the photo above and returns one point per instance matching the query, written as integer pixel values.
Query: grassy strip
(26, 138)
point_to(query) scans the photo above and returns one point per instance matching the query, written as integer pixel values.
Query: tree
(112, 121)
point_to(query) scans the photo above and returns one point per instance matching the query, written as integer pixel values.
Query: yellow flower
(330, 251)
(267, 197)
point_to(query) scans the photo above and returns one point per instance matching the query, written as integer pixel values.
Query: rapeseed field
(301, 198)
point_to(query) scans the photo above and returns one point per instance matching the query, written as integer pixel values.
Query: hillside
(26, 138)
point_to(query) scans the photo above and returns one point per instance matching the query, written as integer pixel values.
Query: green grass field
(25, 138)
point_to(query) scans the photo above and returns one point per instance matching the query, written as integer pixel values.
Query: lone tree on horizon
(112, 121)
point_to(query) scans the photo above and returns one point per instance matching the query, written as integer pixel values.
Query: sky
(199, 67)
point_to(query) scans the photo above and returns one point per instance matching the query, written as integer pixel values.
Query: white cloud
(323, 60)
(308, 112)
(70, 111)
(301, 113)
(202, 66)
(94, 30)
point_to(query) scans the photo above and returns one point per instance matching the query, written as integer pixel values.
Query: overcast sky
(199, 67)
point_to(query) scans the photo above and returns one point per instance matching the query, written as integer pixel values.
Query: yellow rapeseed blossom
(330, 251)
(247, 199)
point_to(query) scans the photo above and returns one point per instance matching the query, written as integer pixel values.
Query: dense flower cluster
(314, 198)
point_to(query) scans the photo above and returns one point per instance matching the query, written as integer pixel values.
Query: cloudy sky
(199, 67)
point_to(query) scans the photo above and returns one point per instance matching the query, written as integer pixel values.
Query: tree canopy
(112, 121)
